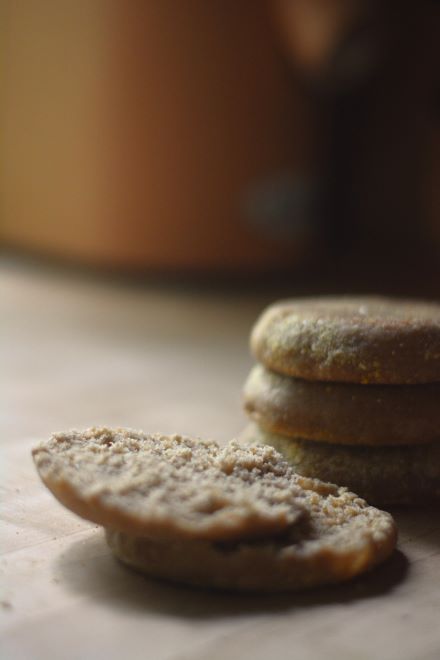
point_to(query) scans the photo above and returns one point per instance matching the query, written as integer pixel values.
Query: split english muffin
(235, 517)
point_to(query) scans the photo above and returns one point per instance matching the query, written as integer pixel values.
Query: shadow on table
(421, 526)
(88, 567)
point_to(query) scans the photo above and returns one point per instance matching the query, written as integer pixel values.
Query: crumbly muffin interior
(230, 517)
(173, 485)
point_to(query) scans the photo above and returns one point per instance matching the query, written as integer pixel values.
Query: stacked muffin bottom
(380, 439)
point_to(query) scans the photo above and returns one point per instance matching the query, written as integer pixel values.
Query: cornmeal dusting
(358, 340)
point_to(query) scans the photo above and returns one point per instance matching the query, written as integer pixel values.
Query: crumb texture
(233, 517)
(170, 485)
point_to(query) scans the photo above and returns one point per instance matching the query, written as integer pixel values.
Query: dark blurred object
(333, 42)
(373, 67)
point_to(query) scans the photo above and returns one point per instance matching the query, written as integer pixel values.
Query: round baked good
(356, 340)
(385, 476)
(236, 517)
(343, 540)
(343, 413)
(170, 487)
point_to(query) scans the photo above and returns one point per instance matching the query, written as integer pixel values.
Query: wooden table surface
(78, 352)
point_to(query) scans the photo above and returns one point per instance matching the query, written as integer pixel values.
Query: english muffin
(343, 413)
(235, 517)
(357, 340)
(384, 476)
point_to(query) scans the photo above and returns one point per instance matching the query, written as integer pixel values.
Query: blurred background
(169, 167)
(224, 137)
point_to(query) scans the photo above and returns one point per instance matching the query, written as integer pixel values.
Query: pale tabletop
(78, 352)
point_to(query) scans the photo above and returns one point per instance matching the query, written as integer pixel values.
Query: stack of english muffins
(348, 389)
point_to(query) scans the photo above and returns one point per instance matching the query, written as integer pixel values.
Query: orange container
(158, 134)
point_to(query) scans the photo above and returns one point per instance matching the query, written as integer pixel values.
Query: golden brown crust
(314, 554)
(343, 413)
(384, 476)
(359, 340)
